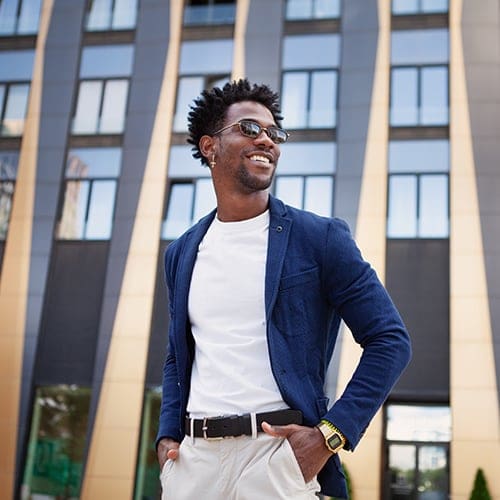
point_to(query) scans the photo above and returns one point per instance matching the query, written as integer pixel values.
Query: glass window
(312, 9)
(401, 7)
(106, 61)
(187, 202)
(19, 17)
(147, 485)
(313, 193)
(308, 158)
(89, 196)
(9, 161)
(56, 448)
(111, 15)
(16, 65)
(418, 196)
(309, 82)
(311, 51)
(309, 99)
(197, 57)
(102, 96)
(419, 96)
(417, 449)
(13, 107)
(419, 47)
(181, 164)
(198, 12)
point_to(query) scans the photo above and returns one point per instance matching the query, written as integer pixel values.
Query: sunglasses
(252, 129)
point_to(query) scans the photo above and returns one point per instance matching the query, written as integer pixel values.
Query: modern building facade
(394, 113)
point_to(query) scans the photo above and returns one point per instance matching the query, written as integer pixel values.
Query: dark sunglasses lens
(277, 135)
(250, 129)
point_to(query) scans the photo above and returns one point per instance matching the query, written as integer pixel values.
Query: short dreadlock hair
(209, 110)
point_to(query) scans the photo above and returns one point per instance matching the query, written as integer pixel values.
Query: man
(257, 290)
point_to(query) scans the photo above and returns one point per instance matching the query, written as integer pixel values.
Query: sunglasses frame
(261, 129)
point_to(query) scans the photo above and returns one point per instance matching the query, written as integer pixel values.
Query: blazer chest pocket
(296, 297)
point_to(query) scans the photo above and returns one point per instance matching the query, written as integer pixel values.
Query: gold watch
(334, 439)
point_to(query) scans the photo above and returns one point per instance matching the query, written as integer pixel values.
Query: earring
(212, 161)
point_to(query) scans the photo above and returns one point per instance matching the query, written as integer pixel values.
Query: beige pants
(239, 468)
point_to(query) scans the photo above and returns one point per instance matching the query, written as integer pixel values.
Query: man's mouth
(260, 158)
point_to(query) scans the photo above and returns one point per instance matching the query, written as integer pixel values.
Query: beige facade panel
(112, 455)
(474, 402)
(14, 283)
(365, 464)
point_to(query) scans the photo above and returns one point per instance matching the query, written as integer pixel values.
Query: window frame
(419, 68)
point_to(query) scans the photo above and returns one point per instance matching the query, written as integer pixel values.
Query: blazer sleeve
(365, 306)
(170, 401)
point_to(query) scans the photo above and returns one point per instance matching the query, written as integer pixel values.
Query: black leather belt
(239, 425)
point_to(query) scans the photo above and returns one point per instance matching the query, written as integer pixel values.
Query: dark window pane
(207, 12)
(6, 193)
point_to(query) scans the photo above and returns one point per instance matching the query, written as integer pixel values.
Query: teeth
(259, 158)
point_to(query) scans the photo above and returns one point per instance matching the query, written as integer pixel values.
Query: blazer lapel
(279, 233)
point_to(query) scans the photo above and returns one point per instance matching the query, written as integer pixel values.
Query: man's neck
(240, 208)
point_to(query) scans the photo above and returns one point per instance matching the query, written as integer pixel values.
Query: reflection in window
(102, 96)
(419, 96)
(309, 98)
(15, 74)
(187, 202)
(402, 7)
(309, 82)
(417, 440)
(57, 442)
(312, 9)
(312, 193)
(147, 485)
(89, 196)
(19, 17)
(8, 171)
(13, 107)
(197, 12)
(418, 195)
(111, 15)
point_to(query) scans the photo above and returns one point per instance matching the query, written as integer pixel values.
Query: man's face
(243, 163)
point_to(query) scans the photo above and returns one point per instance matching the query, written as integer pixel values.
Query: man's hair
(209, 110)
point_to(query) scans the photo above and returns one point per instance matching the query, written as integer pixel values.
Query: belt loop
(253, 422)
(191, 430)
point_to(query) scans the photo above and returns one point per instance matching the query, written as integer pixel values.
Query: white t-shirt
(231, 369)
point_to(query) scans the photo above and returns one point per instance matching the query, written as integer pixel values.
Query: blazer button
(279, 229)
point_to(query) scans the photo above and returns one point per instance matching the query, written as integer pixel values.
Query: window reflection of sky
(418, 423)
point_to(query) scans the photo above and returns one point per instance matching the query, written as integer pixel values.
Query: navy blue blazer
(315, 276)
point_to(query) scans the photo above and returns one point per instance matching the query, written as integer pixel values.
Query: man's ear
(207, 146)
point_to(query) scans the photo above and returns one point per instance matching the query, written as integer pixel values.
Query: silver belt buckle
(204, 429)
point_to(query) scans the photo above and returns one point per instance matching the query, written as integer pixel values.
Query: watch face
(335, 441)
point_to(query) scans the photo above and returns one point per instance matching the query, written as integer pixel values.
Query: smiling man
(257, 290)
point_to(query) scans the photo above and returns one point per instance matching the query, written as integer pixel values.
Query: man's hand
(308, 445)
(167, 449)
